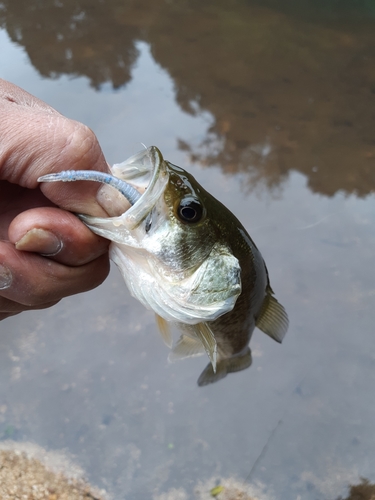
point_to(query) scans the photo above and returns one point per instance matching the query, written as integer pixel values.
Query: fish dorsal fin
(164, 330)
(273, 319)
(186, 347)
(205, 335)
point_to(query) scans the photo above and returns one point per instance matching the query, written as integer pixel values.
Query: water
(272, 109)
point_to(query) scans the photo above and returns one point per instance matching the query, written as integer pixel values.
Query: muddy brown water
(272, 107)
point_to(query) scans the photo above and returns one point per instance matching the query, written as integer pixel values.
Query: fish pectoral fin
(164, 330)
(273, 319)
(225, 366)
(205, 335)
(186, 347)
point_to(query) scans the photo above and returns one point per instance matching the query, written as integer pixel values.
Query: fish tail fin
(164, 330)
(273, 319)
(225, 366)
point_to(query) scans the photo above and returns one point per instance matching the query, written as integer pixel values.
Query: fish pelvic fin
(164, 330)
(186, 347)
(273, 319)
(225, 366)
(206, 336)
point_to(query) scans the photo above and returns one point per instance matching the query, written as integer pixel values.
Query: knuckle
(81, 144)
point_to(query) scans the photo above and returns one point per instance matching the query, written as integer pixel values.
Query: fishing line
(291, 229)
(277, 426)
(264, 450)
(315, 223)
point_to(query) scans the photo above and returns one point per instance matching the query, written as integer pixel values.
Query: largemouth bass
(185, 256)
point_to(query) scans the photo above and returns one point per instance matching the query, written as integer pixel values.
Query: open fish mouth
(145, 171)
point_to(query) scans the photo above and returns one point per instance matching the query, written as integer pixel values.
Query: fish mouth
(146, 170)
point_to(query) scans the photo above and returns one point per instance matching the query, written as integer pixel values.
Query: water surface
(271, 107)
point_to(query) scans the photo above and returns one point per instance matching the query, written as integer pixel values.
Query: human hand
(46, 253)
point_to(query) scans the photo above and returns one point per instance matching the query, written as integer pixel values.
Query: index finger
(35, 140)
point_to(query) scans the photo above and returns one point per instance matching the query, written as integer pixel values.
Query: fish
(185, 256)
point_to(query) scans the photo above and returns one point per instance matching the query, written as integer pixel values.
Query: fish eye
(190, 210)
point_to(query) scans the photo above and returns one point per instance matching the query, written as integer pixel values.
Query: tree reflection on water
(362, 491)
(284, 93)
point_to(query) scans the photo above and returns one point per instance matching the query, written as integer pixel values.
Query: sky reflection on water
(273, 114)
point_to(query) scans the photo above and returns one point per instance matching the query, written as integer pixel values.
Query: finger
(16, 199)
(36, 280)
(11, 308)
(6, 315)
(15, 95)
(35, 141)
(57, 234)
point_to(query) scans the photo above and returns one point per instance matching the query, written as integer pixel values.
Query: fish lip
(143, 206)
